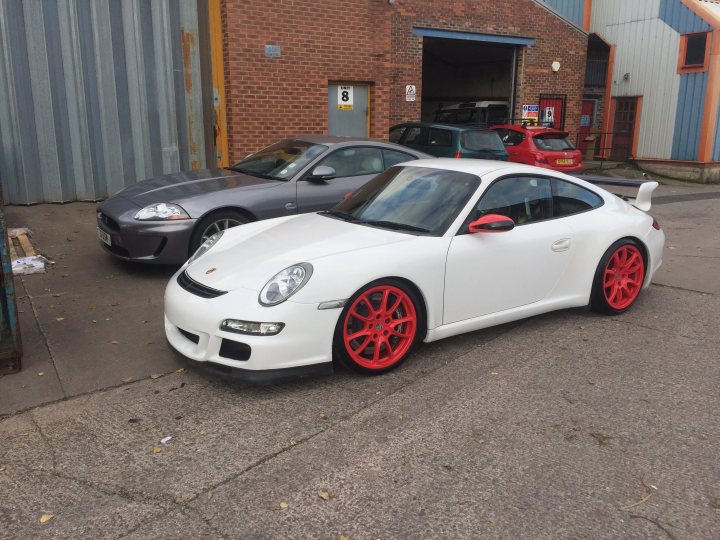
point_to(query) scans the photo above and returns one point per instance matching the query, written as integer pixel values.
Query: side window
(464, 116)
(569, 198)
(355, 161)
(393, 157)
(396, 134)
(440, 137)
(513, 138)
(416, 135)
(502, 133)
(524, 199)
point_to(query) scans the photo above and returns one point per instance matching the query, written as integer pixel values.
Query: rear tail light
(540, 158)
(656, 225)
(458, 154)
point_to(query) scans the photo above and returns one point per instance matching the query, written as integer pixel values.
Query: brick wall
(371, 41)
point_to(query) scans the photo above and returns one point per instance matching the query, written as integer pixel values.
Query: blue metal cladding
(96, 95)
(688, 118)
(572, 10)
(680, 18)
(716, 149)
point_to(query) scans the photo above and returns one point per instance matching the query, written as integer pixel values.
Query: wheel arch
(200, 220)
(229, 208)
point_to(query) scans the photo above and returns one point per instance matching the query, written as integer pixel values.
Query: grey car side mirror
(321, 173)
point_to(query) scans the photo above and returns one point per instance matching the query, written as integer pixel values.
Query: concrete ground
(564, 425)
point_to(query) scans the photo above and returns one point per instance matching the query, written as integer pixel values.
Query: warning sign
(345, 98)
(530, 113)
(410, 92)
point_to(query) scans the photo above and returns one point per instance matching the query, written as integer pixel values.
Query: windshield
(482, 140)
(411, 199)
(281, 161)
(553, 141)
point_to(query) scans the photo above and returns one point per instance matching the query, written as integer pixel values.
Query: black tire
(617, 284)
(212, 223)
(396, 326)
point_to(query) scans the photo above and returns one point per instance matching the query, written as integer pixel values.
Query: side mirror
(492, 223)
(322, 173)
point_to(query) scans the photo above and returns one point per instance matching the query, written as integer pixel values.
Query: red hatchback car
(540, 146)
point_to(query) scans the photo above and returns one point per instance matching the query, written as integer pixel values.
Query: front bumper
(160, 242)
(304, 346)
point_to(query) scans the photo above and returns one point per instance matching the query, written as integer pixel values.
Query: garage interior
(458, 70)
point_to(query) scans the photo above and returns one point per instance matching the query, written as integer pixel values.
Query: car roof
(332, 139)
(530, 129)
(473, 105)
(452, 127)
(478, 167)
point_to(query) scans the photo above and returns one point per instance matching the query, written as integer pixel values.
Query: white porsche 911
(424, 251)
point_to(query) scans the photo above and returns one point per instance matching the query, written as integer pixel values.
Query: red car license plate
(564, 162)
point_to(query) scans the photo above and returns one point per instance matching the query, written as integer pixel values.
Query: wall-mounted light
(555, 66)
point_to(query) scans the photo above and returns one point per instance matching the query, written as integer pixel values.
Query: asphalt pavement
(565, 425)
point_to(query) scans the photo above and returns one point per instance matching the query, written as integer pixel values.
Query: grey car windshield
(410, 199)
(281, 161)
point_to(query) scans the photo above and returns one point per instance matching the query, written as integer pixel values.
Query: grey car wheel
(213, 224)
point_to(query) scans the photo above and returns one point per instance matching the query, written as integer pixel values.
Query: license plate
(564, 162)
(105, 237)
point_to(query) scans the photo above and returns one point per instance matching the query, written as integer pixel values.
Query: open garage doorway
(462, 71)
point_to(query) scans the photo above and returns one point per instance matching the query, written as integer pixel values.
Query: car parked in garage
(482, 113)
(165, 219)
(449, 141)
(540, 146)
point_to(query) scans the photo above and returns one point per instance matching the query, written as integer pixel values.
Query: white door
(493, 272)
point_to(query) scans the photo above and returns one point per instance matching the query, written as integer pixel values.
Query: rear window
(440, 137)
(481, 140)
(553, 141)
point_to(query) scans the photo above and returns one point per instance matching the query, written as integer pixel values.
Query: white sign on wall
(345, 98)
(410, 92)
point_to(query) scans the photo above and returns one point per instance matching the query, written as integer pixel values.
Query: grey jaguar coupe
(165, 219)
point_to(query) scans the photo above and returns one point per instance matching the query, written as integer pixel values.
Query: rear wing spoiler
(643, 199)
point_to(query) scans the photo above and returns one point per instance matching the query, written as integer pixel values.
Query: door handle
(561, 245)
(290, 206)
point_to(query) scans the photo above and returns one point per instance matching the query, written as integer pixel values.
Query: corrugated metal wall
(647, 39)
(691, 104)
(96, 95)
(572, 10)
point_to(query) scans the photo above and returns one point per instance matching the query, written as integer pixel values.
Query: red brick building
(281, 61)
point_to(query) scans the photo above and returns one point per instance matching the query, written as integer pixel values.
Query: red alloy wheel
(623, 276)
(380, 327)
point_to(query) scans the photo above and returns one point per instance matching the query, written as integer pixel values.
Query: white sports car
(426, 250)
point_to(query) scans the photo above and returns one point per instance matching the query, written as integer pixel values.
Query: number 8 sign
(345, 98)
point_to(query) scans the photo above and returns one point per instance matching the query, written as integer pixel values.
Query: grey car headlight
(161, 212)
(284, 284)
(205, 246)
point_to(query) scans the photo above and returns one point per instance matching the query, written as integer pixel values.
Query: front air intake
(192, 286)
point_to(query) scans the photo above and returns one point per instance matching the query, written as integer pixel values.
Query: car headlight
(284, 284)
(205, 246)
(161, 212)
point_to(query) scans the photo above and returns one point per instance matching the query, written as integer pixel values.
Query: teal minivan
(442, 140)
